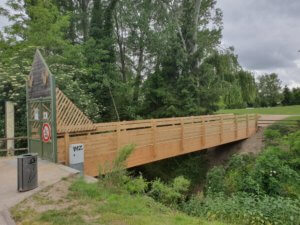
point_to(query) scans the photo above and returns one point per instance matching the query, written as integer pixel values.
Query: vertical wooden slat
(221, 129)
(182, 134)
(203, 133)
(118, 136)
(247, 125)
(235, 127)
(67, 141)
(153, 126)
(256, 122)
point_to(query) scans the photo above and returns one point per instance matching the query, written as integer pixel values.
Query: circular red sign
(46, 132)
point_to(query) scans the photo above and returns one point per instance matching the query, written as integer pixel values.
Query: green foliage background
(124, 60)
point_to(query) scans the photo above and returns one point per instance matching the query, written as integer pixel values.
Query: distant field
(279, 110)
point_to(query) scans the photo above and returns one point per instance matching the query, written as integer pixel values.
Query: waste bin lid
(27, 155)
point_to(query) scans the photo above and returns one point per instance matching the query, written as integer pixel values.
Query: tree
(189, 41)
(287, 96)
(248, 87)
(296, 96)
(269, 90)
(233, 96)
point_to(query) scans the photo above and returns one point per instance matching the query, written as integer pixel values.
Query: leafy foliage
(172, 194)
(262, 189)
(243, 208)
(123, 60)
(269, 87)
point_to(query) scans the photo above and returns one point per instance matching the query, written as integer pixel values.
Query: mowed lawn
(279, 110)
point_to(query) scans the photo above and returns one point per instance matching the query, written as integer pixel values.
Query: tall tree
(287, 96)
(269, 89)
(102, 79)
(248, 87)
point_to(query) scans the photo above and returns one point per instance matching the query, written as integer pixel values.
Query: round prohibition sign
(46, 132)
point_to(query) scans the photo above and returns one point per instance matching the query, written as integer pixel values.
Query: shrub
(136, 185)
(116, 175)
(244, 208)
(273, 172)
(192, 166)
(283, 129)
(215, 182)
(170, 194)
(272, 136)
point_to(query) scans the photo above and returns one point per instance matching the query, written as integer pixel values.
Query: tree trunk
(84, 4)
(138, 79)
(121, 49)
(196, 24)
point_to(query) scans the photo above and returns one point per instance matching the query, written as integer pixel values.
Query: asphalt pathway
(48, 174)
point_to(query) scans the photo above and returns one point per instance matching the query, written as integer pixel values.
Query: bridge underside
(154, 139)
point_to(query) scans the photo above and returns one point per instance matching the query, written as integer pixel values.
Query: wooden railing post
(221, 129)
(182, 135)
(67, 142)
(153, 125)
(235, 127)
(247, 125)
(203, 137)
(118, 135)
(256, 122)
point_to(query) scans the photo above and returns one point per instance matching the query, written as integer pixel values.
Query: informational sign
(36, 113)
(46, 132)
(45, 115)
(76, 153)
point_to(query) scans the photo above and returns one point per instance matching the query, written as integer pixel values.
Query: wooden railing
(155, 139)
(4, 151)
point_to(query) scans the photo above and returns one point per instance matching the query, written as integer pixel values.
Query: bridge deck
(155, 139)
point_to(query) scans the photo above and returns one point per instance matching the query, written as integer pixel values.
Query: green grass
(293, 121)
(292, 118)
(92, 204)
(279, 110)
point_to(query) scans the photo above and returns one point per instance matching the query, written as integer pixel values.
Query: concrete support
(10, 126)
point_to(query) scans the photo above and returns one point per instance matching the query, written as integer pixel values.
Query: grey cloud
(265, 34)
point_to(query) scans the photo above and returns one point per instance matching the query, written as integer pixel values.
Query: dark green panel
(37, 146)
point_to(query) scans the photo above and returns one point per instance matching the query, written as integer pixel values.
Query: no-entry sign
(46, 132)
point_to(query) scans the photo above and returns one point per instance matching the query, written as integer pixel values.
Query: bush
(274, 172)
(272, 136)
(136, 185)
(244, 208)
(170, 194)
(215, 181)
(281, 128)
(116, 175)
(192, 166)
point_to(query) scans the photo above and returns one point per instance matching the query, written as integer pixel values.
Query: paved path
(48, 174)
(267, 120)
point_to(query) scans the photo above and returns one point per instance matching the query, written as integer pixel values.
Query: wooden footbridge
(55, 124)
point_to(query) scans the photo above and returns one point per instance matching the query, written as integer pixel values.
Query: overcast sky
(264, 33)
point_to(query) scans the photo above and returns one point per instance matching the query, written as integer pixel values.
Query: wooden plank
(154, 139)
(221, 129)
(67, 141)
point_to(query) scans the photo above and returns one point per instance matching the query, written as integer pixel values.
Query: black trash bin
(27, 172)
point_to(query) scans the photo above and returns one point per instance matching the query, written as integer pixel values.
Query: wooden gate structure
(154, 139)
